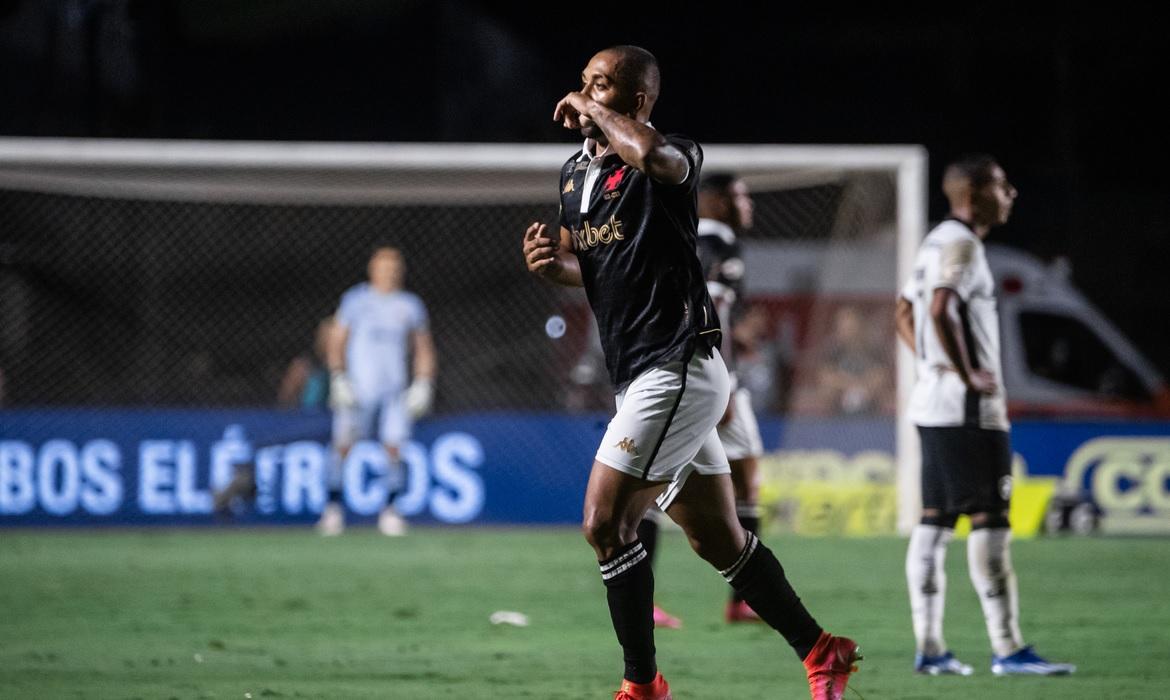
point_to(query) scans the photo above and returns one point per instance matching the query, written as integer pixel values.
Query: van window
(1063, 349)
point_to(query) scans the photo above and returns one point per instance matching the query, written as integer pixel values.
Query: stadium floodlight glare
(854, 214)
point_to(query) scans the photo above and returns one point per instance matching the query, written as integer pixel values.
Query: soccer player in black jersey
(627, 235)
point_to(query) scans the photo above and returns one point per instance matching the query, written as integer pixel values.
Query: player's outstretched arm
(638, 144)
(551, 258)
(944, 310)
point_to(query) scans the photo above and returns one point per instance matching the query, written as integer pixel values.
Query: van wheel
(1083, 519)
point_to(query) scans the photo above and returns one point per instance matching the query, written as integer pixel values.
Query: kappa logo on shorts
(1005, 488)
(627, 445)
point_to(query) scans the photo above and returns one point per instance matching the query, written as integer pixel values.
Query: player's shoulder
(675, 137)
(571, 164)
(686, 144)
(410, 297)
(356, 292)
(950, 229)
(716, 233)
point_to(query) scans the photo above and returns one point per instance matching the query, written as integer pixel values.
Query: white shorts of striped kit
(664, 429)
(741, 435)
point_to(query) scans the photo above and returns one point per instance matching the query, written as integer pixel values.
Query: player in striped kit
(947, 315)
(725, 208)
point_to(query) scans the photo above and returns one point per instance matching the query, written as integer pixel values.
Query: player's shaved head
(966, 174)
(637, 70)
(978, 191)
(387, 268)
(725, 197)
(718, 183)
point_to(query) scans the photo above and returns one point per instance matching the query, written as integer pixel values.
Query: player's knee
(715, 543)
(990, 520)
(605, 533)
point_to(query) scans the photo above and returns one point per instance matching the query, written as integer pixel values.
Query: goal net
(155, 274)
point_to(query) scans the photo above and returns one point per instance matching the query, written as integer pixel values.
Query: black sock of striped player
(758, 577)
(749, 519)
(648, 536)
(629, 589)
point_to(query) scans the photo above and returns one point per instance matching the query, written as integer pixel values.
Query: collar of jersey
(713, 227)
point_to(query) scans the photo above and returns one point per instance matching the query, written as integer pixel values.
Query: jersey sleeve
(417, 319)
(567, 171)
(694, 155)
(347, 310)
(956, 267)
(910, 289)
(561, 220)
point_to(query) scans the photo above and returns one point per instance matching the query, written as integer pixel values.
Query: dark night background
(1065, 100)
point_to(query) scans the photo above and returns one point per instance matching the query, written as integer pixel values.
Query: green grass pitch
(285, 614)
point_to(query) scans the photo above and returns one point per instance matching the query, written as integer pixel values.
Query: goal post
(173, 273)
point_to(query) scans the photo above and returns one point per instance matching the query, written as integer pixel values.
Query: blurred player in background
(305, 383)
(725, 208)
(946, 315)
(628, 236)
(377, 327)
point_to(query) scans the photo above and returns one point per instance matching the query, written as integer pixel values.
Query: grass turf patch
(270, 614)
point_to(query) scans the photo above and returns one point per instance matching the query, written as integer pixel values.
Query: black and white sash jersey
(635, 239)
(953, 256)
(721, 256)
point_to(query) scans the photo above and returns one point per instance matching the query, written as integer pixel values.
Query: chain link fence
(136, 282)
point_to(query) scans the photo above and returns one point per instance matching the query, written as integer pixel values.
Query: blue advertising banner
(1123, 468)
(163, 467)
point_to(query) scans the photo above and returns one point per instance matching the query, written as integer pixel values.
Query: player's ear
(639, 103)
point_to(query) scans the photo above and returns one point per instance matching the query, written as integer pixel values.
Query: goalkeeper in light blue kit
(378, 327)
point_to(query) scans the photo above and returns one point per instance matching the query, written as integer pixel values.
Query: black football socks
(759, 579)
(749, 519)
(629, 589)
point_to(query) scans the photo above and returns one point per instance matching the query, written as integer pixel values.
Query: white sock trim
(748, 550)
(617, 565)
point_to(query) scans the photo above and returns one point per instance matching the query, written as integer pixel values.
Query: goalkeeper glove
(419, 397)
(341, 394)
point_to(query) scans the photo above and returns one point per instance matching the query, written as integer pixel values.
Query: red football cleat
(829, 664)
(665, 619)
(740, 611)
(656, 689)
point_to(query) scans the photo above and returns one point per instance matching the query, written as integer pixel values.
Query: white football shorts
(741, 435)
(664, 429)
(353, 424)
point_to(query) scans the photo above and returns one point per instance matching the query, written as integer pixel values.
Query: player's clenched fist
(540, 250)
